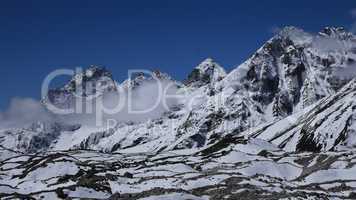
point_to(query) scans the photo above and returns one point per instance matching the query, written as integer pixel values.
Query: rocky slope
(234, 168)
(325, 126)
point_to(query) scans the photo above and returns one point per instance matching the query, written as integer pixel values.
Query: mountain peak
(206, 72)
(297, 35)
(95, 70)
(288, 30)
(336, 32)
(138, 78)
(161, 75)
(207, 60)
(91, 82)
(92, 73)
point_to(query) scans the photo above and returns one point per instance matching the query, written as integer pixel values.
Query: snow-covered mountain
(292, 71)
(293, 95)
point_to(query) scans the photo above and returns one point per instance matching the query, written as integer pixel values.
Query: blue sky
(37, 37)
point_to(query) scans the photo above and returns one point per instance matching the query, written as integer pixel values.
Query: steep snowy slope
(293, 69)
(327, 125)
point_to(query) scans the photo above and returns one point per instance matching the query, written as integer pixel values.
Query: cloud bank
(22, 112)
(147, 101)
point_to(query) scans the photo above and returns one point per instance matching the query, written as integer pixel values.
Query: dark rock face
(282, 106)
(198, 139)
(194, 76)
(308, 143)
(208, 72)
(128, 175)
(91, 83)
(277, 74)
(289, 70)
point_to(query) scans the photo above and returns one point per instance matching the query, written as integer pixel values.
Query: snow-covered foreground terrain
(235, 168)
(279, 126)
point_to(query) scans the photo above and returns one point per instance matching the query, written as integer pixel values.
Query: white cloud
(22, 112)
(147, 97)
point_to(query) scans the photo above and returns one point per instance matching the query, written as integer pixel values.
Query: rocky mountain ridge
(290, 107)
(286, 75)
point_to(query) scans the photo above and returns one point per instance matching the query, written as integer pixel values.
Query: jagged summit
(289, 30)
(297, 36)
(302, 38)
(138, 78)
(93, 74)
(206, 72)
(89, 83)
(337, 33)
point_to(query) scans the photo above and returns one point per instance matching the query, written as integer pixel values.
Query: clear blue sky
(38, 36)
